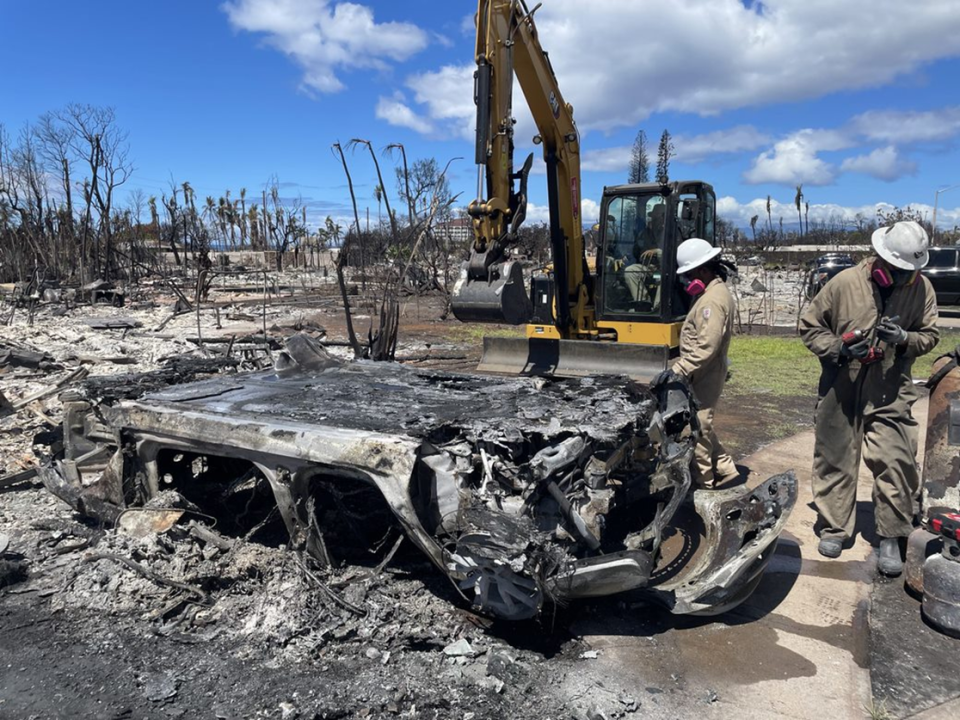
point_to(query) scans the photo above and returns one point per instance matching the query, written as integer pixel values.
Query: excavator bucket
(572, 358)
(501, 298)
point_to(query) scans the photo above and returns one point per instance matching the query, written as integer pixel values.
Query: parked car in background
(824, 268)
(943, 271)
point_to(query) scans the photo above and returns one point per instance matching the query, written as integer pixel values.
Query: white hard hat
(693, 253)
(903, 245)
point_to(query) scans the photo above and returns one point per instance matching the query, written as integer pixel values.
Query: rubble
(12, 356)
(239, 576)
(255, 592)
(460, 648)
(769, 297)
(111, 323)
(267, 628)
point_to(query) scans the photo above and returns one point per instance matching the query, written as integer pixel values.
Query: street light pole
(936, 200)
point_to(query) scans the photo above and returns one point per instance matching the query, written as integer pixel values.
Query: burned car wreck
(523, 491)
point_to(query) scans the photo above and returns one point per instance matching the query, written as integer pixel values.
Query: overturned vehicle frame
(523, 491)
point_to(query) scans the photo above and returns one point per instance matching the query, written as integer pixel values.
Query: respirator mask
(890, 277)
(693, 288)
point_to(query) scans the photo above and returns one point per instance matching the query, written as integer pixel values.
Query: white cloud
(621, 61)
(324, 37)
(443, 40)
(589, 212)
(615, 159)
(698, 148)
(468, 24)
(396, 112)
(730, 209)
(794, 159)
(448, 96)
(883, 163)
(740, 213)
(908, 127)
(688, 148)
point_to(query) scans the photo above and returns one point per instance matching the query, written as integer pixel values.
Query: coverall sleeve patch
(706, 313)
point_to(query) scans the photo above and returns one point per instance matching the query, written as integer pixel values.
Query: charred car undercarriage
(523, 491)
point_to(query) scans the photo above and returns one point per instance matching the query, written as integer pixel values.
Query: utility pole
(936, 200)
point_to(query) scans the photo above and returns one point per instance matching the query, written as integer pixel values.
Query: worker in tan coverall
(865, 405)
(704, 341)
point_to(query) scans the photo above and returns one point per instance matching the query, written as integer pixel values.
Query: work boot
(890, 562)
(830, 547)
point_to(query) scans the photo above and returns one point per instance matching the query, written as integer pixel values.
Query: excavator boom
(561, 314)
(491, 285)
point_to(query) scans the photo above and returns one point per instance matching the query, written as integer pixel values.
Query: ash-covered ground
(98, 623)
(108, 625)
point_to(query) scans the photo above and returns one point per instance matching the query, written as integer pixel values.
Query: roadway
(950, 317)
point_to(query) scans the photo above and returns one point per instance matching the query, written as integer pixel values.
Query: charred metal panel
(741, 532)
(523, 491)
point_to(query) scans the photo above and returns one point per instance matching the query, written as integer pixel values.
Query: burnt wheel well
(233, 491)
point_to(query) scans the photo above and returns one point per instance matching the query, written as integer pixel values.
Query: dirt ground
(253, 633)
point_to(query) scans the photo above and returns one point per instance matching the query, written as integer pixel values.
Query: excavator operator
(643, 277)
(651, 236)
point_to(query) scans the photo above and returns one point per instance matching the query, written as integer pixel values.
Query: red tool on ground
(946, 524)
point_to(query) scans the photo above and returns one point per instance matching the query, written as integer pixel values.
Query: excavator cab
(639, 297)
(632, 326)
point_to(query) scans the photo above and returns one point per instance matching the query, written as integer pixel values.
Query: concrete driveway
(799, 648)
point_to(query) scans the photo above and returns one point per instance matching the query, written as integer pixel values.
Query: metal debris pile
(190, 579)
(525, 493)
(522, 490)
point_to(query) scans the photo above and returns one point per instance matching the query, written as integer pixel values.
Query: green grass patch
(949, 339)
(774, 365)
(783, 366)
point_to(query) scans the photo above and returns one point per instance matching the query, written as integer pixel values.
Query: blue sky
(857, 100)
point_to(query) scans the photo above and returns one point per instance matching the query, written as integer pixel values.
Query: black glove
(890, 332)
(664, 377)
(858, 350)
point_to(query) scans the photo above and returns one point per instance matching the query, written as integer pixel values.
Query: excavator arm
(491, 285)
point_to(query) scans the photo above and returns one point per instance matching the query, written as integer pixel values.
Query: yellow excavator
(625, 317)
